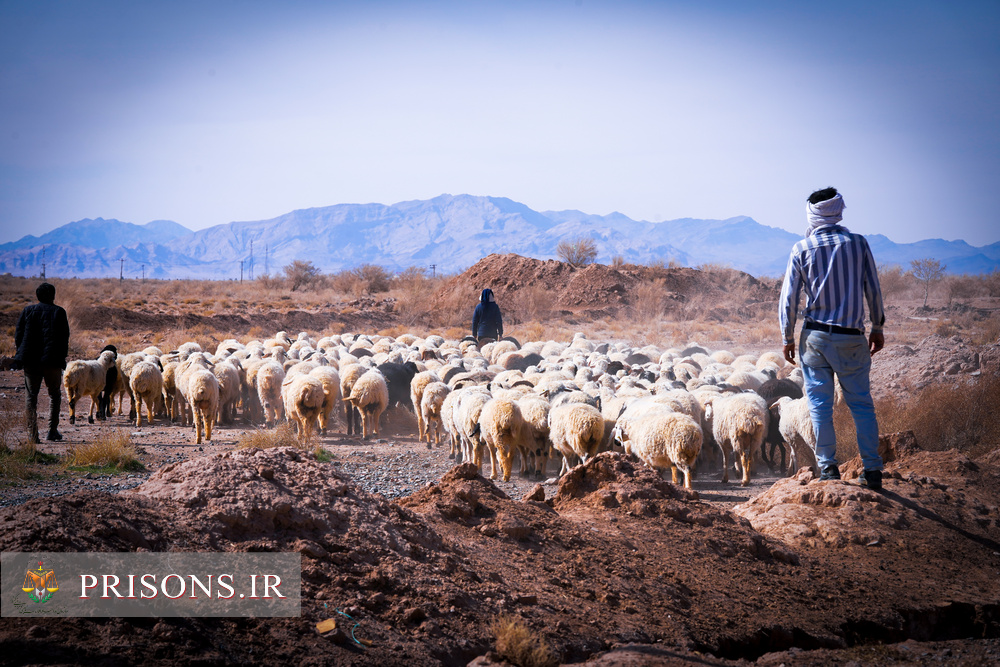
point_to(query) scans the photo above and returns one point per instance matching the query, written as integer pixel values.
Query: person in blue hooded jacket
(487, 322)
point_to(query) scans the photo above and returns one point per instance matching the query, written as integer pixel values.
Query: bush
(281, 436)
(520, 645)
(301, 274)
(111, 449)
(577, 252)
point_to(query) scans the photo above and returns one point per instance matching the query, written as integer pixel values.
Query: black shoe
(871, 479)
(829, 473)
(54, 436)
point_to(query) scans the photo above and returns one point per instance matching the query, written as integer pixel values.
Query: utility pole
(121, 274)
(143, 273)
(241, 271)
(43, 262)
(433, 270)
(251, 260)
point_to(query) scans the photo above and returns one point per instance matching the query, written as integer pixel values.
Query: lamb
(331, 393)
(662, 438)
(534, 443)
(86, 378)
(502, 424)
(796, 428)
(575, 430)
(431, 401)
(303, 397)
(146, 382)
(739, 423)
(370, 395)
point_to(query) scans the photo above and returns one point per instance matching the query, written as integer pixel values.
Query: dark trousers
(33, 383)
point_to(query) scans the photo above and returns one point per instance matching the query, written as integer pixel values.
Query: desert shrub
(520, 645)
(965, 287)
(648, 301)
(270, 283)
(373, 278)
(283, 435)
(618, 262)
(893, 281)
(928, 272)
(301, 274)
(110, 449)
(661, 263)
(533, 304)
(577, 252)
(948, 416)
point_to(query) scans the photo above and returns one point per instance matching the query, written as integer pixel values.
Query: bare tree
(301, 274)
(577, 252)
(927, 271)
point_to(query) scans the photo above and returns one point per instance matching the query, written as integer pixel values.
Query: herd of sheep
(669, 408)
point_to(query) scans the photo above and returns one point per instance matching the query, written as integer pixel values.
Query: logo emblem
(40, 584)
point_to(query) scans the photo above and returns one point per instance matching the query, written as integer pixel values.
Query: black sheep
(398, 378)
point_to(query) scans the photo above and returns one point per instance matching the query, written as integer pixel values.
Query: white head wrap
(824, 213)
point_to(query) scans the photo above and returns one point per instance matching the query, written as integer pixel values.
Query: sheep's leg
(687, 478)
(541, 460)
(138, 416)
(149, 411)
(725, 463)
(493, 461)
(422, 429)
(506, 461)
(197, 425)
(72, 407)
(209, 422)
(747, 457)
(673, 473)
(93, 409)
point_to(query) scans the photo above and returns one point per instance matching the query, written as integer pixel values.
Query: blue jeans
(823, 354)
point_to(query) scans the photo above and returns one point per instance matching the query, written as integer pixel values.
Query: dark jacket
(42, 337)
(487, 322)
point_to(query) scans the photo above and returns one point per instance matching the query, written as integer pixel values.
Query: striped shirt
(836, 270)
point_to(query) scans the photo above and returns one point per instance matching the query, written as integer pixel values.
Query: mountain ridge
(451, 232)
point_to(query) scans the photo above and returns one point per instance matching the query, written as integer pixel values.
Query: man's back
(837, 272)
(42, 336)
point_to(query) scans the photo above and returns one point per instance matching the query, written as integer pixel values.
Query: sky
(215, 111)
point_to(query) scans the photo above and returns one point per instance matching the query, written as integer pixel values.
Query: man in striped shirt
(836, 271)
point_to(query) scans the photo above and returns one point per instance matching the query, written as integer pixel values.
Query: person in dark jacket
(487, 322)
(42, 339)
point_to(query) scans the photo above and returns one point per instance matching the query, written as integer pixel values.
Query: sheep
(796, 428)
(270, 376)
(349, 375)
(534, 443)
(370, 395)
(448, 423)
(303, 396)
(575, 430)
(431, 401)
(771, 391)
(417, 387)
(662, 438)
(468, 409)
(739, 423)
(86, 378)
(170, 389)
(146, 382)
(502, 424)
(202, 394)
(230, 388)
(331, 393)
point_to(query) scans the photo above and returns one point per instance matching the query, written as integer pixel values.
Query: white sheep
(146, 382)
(796, 428)
(431, 402)
(370, 396)
(227, 372)
(303, 396)
(202, 395)
(664, 438)
(331, 393)
(86, 378)
(575, 430)
(468, 409)
(270, 376)
(502, 424)
(739, 424)
(534, 443)
(349, 374)
(417, 387)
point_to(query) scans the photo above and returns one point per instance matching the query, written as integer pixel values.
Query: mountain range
(447, 232)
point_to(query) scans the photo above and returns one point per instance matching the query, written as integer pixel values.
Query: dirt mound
(594, 290)
(367, 313)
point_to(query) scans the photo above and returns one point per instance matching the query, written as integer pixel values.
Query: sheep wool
(86, 378)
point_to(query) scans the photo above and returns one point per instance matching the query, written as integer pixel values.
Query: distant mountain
(450, 232)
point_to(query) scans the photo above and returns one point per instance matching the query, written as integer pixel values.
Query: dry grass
(111, 449)
(281, 436)
(520, 645)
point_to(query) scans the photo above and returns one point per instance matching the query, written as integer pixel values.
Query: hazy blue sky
(208, 112)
